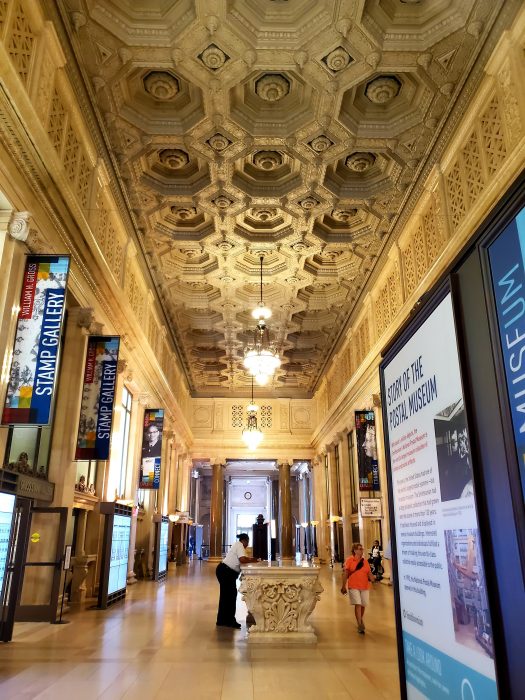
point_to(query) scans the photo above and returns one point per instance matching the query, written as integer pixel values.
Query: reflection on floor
(161, 642)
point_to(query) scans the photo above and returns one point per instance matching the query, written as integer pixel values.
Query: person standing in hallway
(227, 573)
(356, 578)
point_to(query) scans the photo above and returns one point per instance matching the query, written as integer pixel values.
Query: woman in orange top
(357, 577)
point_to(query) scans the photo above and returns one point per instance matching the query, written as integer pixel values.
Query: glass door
(42, 569)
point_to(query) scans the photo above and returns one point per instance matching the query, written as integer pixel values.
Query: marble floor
(161, 642)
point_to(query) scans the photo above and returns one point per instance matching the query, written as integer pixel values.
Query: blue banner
(47, 355)
(34, 367)
(108, 383)
(438, 676)
(98, 397)
(507, 264)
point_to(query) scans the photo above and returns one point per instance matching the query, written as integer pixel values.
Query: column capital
(18, 226)
(84, 317)
(121, 366)
(144, 398)
(342, 435)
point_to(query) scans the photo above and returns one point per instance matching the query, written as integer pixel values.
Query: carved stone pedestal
(81, 566)
(281, 600)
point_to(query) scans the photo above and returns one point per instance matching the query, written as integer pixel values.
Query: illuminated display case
(7, 505)
(115, 552)
(160, 568)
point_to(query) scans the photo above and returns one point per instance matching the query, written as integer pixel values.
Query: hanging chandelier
(251, 435)
(261, 358)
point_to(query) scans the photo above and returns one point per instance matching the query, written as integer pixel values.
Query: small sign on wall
(371, 508)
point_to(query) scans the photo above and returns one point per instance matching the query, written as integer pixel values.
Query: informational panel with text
(7, 506)
(445, 618)
(507, 266)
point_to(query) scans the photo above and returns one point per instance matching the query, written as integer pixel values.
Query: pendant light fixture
(261, 312)
(261, 358)
(251, 435)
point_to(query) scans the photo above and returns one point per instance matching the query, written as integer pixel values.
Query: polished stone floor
(161, 642)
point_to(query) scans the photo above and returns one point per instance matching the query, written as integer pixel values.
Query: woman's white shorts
(357, 597)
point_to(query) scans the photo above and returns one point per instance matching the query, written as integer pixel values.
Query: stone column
(174, 471)
(216, 515)
(62, 468)
(285, 508)
(131, 577)
(321, 513)
(332, 491)
(80, 561)
(346, 500)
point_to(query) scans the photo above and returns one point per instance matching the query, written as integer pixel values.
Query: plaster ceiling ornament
(264, 214)
(360, 162)
(272, 87)
(184, 213)
(343, 215)
(304, 141)
(338, 59)
(222, 201)
(174, 158)
(18, 226)
(299, 247)
(267, 160)
(219, 142)
(213, 57)
(309, 203)
(320, 144)
(161, 85)
(383, 89)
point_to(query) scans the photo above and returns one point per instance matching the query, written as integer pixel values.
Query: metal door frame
(15, 567)
(48, 612)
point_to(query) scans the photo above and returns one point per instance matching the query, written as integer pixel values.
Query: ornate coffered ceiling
(292, 129)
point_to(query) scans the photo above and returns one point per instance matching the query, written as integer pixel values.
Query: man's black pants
(228, 594)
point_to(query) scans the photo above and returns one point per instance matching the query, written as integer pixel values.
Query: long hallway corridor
(161, 642)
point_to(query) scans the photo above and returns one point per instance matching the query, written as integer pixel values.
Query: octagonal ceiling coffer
(344, 215)
(184, 213)
(272, 87)
(174, 158)
(360, 162)
(267, 160)
(162, 85)
(383, 89)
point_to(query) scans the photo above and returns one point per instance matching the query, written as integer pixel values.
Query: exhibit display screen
(446, 626)
(163, 550)
(7, 505)
(118, 567)
(507, 267)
